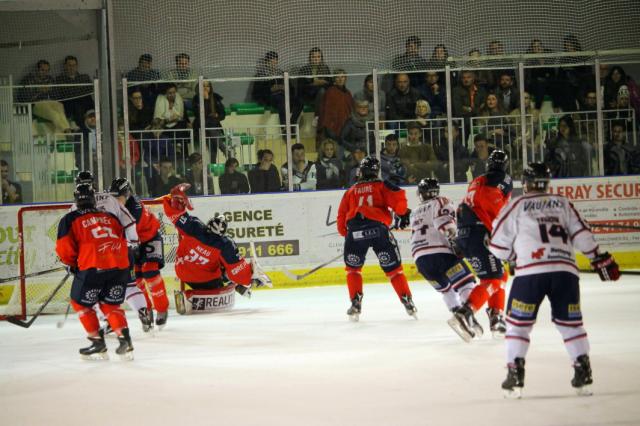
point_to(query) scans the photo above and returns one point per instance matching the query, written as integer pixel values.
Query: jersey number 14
(553, 230)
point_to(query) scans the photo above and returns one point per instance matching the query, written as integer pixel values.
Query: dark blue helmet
(85, 196)
(497, 161)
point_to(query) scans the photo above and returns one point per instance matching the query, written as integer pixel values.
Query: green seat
(250, 110)
(217, 169)
(243, 105)
(308, 108)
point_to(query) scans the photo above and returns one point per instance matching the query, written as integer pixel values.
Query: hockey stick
(26, 324)
(297, 277)
(31, 275)
(61, 323)
(603, 225)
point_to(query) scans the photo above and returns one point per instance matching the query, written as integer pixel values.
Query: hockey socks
(116, 317)
(496, 300)
(354, 281)
(88, 318)
(158, 293)
(399, 282)
(478, 296)
(575, 340)
(134, 297)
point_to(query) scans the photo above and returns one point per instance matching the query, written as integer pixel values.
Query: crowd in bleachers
(412, 106)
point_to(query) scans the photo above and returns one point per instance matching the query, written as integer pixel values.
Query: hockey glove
(451, 234)
(179, 198)
(135, 251)
(401, 222)
(606, 267)
(259, 278)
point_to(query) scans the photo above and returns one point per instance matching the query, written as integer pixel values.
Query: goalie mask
(217, 225)
(428, 188)
(85, 196)
(120, 187)
(536, 177)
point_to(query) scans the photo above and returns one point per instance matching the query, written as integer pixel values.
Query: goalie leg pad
(209, 301)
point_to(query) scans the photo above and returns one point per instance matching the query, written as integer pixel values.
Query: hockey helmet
(217, 225)
(85, 196)
(497, 161)
(120, 187)
(536, 176)
(428, 188)
(84, 177)
(369, 168)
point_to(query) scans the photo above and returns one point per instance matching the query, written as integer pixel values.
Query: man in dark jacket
(401, 100)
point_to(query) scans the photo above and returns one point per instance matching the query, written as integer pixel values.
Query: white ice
(290, 357)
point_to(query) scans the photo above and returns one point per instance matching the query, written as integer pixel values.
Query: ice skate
(356, 307)
(125, 350)
(97, 350)
(472, 324)
(496, 323)
(513, 384)
(161, 319)
(582, 379)
(460, 325)
(407, 302)
(146, 318)
(244, 291)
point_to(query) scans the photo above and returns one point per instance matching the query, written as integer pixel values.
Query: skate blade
(414, 315)
(584, 391)
(161, 327)
(103, 356)
(460, 331)
(354, 317)
(497, 335)
(127, 356)
(515, 393)
(477, 331)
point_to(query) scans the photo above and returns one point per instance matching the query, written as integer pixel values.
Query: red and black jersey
(92, 239)
(373, 200)
(486, 196)
(201, 254)
(147, 224)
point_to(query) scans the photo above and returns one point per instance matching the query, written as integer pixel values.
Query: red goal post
(39, 268)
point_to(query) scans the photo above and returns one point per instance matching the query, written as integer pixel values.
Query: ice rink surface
(291, 357)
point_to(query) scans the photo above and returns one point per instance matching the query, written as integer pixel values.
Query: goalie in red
(92, 245)
(206, 257)
(150, 257)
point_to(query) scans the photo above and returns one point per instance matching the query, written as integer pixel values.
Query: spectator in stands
(303, 171)
(214, 113)
(423, 112)
(418, 157)
(164, 179)
(391, 167)
(589, 101)
(76, 99)
(45, 105)
(271, 92)
(532, 117)
(481, 151)
(194, 176)
(352, 173)
(571, 82)
(508, 94)
(567, 155)
(140, 113)
(438, 60)
(401, 100)
(493, 121)
(336, 107)
(435, 93)
(183, 71)
(614, 79)
(232, 181)
(11, 190)
(169, 110)
(311, 89)
(145, 72)
(134, 151)
(367, 94)
(329, 168)
(86, 152)
(468, 97)
(354, 132)
(495, 48)
(460, 155)
(538, 80)
(618, 153)
(264, 176)
(411, 60)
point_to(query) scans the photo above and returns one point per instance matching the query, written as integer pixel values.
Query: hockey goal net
(40, 269)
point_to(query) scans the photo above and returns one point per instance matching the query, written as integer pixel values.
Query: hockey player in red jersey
(205, 256)
(364, 217)
(540, 231)
(486, 195)
(150, 258)
(92, 245)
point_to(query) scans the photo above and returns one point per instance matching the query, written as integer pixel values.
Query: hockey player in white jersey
(540, 231)
(105, 201)
(433, 233)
